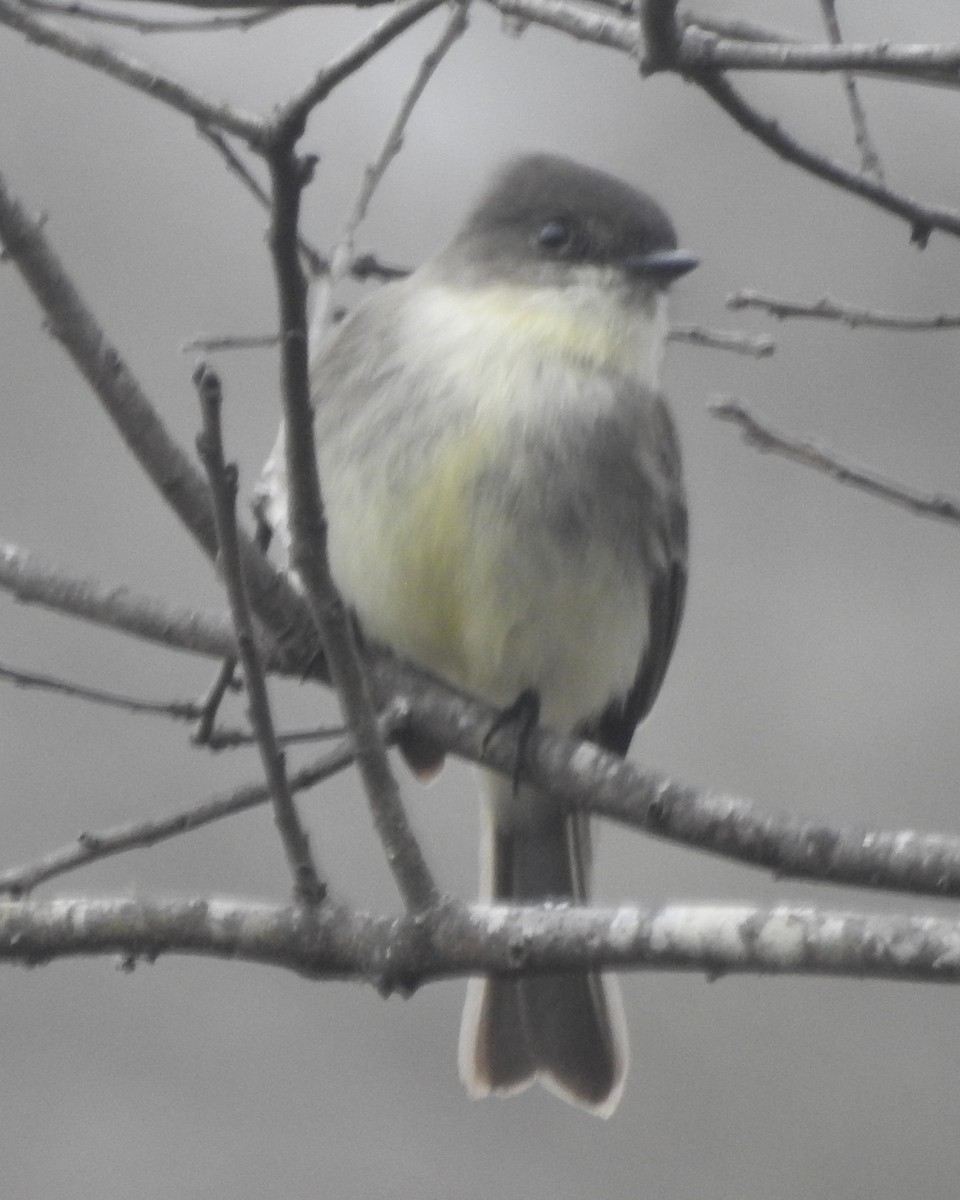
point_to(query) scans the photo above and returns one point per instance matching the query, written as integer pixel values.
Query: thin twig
(137, 421)
(223, 681)
(827, 309)
(231, 739)
(369, 266)
(363, 267)
(343, 254)
(308, 887)
(809, 455)
(204, 712)
(106, 16)
(92, 846)
(129, 70)
(291, 118)
(923, 218)
(316, 262)
(178, 710)
(454, 28)
(309, 557)
(757, 346)
(208, 345)
(869, 158)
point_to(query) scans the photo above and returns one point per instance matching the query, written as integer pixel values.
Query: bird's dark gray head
(544, 215)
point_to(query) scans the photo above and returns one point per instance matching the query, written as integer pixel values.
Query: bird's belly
(476, 588)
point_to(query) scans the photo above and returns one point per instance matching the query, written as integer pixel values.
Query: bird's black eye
(555, 235)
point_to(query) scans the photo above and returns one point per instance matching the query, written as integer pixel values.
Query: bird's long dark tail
(565, 1030)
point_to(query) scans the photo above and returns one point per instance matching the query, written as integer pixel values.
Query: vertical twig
(869, 158)
(291, 118)
(224, 680)
(308, 887)
(289, 176)
(342, 256)
(316, 263)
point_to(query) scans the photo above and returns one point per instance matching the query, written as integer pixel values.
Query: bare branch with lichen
(400, 953)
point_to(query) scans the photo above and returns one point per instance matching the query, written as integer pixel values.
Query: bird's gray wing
(613, 728)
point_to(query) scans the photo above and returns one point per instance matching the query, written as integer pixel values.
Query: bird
(504, 501)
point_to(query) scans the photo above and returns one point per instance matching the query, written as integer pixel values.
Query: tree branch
(308, 887)
(173, 474)
(316, 263)
(702, 50)
(343, 256)
(750, 31)
(137, 835)
(832, 310)
(720, 339)
(308, 543)
(277, 6)
(809, 455)
(401, 953)
(923, 218)
(291, 117)
(177, 710)
(129, 70)
(737, 28)
(589, 779)
(698, 57)
(123, 610)
(577, 21)
(453, 29)
(869, 158)
(107, 16)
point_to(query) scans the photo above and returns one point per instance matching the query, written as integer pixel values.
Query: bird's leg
(523, 714)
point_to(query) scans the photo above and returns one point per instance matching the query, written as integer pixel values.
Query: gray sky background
(816, 670)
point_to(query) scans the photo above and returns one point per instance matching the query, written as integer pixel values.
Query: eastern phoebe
(503, 493)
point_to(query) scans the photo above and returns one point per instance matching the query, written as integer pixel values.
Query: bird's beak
(661, 266)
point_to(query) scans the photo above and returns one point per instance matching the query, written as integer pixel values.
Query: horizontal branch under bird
(580, 773)
(399, 953)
